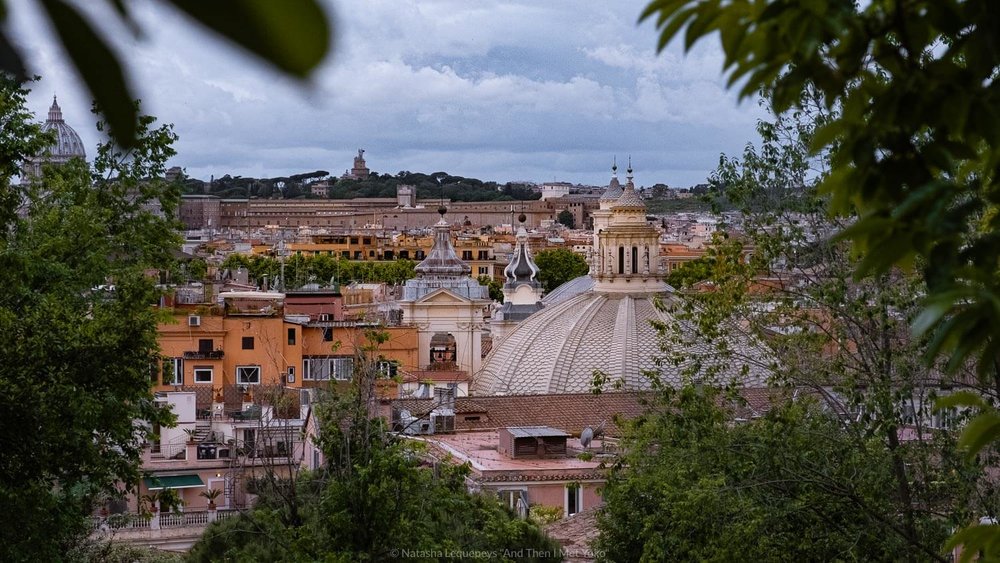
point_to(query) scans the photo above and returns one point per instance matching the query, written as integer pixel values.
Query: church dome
(614, 190)
(68, 144)
(557, 349)
(607, 322)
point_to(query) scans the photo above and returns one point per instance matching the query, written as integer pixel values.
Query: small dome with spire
(614, 190)
(442, 260)
(442, 269)
(629, 198)
(522, 269)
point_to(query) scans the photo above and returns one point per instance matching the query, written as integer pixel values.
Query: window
(621, 259)
(484, 271)
(484, 254)
(248, 375)
(291, 336)
(291, 375)
(342, 368)
(323, 369)
(635, 260)
(202, 374)
(466, 255)
(367, 240)
(308, 373)
(328, 334)
(205, 345)
(248, 343)
(173, 371)
(354, 240)
(574, 499)
(445, 396)
(386, 368)
(514, 499)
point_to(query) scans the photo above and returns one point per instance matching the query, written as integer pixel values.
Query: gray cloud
(495, 90)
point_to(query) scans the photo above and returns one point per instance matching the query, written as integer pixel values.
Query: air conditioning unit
(194, 320)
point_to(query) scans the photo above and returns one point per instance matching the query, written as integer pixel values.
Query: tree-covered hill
(429, 186)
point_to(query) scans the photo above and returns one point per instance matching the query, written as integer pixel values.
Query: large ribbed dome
(68, 144)
(557, 349)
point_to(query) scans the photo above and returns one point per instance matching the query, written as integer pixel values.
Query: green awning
(173, 482)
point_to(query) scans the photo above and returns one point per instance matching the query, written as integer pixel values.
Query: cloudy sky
(498, 90)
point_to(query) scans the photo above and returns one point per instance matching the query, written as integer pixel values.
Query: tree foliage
(871, 448)
(559, 265)
(78, 336)
(374, 497)
(261, 27)
(494, 286)
(793, 485)
(566, 218)
(722, 253)
(322, 269)
(914, 142)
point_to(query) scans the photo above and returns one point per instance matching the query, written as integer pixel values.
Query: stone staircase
(202, 431)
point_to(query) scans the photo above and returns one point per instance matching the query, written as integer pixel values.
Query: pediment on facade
(442, 297)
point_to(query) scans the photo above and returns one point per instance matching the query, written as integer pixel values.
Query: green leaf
(975, 539)
(293, 35)
(99, 68)
(960, 399)
(980, 432)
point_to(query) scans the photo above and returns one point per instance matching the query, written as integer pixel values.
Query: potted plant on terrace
(211, 495)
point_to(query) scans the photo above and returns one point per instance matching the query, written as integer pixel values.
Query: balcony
(206, 355)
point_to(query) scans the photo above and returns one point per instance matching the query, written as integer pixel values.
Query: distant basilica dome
(67, 145)
(603, 321)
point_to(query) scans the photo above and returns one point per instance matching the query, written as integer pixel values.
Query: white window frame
(240, 373)
(211, 374)
(387, 368)
(341, 369)
(325, 368)
(177, 364)
(575, 489)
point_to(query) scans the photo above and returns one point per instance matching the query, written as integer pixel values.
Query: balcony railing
(160, 520)
(207, 355)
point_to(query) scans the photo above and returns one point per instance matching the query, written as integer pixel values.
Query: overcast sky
(498, 90)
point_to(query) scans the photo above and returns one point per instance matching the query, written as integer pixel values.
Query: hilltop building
(360, 169)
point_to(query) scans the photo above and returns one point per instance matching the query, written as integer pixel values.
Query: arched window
(443, 350)
(621, 259)
(635, 260)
